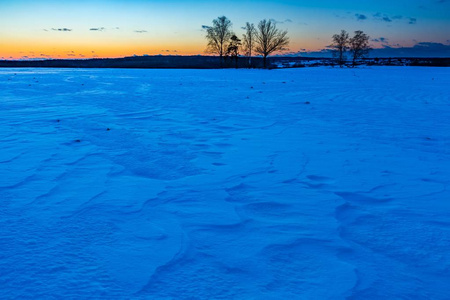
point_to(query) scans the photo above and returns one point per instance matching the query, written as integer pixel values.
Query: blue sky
(121, 28)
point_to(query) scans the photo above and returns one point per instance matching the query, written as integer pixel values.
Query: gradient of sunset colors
(116, 28)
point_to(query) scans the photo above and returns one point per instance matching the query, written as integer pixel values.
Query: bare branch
(359, 46)
(218, 36)
(269, 39)
(249, 41)
(340, 45)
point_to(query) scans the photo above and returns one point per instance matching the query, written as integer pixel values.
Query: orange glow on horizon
(35, 48)
(38, 47)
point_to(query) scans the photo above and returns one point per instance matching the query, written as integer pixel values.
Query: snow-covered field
(309, 183)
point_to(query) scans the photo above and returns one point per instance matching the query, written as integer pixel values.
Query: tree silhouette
(270, 39)
(359, 46)
(218, 35)
(249, 41)
(340, 45)
(233, 48)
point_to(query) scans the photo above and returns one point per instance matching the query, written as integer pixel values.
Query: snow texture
(313, 183)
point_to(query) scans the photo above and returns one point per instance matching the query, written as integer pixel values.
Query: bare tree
(270, 39)
(340, 45)
(359, 46)
(233, 48)
(249, 41)
(218, 36)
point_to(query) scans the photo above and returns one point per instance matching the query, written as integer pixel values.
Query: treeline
(211, 62)
(134, 62)
(265, 39)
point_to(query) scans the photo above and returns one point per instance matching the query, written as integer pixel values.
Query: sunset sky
(116, 28)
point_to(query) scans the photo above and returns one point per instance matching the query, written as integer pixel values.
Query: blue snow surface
(313, 183)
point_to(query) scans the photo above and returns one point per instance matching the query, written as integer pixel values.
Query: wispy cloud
(281, 22)
(140, 31)
(62, 29)
(380, 40)
(380, 17)
(98, 29)
(360, 17)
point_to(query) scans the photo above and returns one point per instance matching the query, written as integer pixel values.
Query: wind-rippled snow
(309, 183)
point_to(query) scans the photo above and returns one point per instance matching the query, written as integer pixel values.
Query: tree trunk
(265, 61)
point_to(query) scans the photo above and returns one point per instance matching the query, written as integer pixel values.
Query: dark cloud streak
(281, 22)
(360, 17)
(62, 29)
(385, 18)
